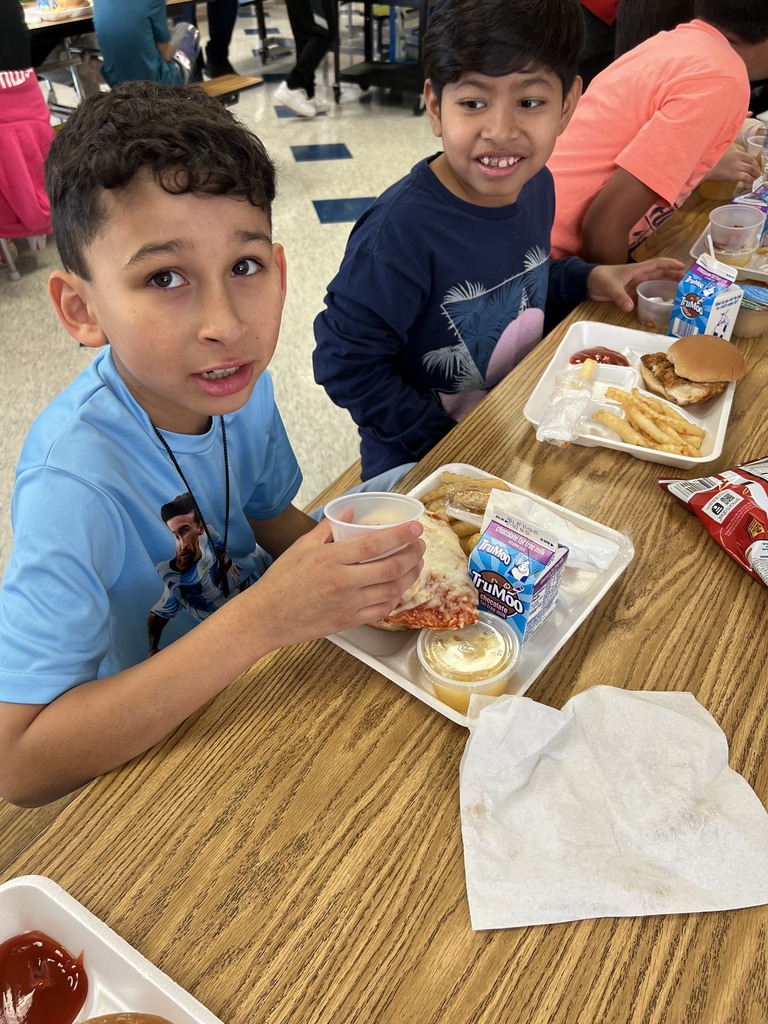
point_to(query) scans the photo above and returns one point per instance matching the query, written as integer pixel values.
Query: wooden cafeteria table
(293, 853)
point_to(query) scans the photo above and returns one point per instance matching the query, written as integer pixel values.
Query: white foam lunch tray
(393, 653)
(711, 415)
(119, 978)
(64, 13)
(756, 270)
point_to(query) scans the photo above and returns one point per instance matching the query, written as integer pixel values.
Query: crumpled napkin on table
(620, 804)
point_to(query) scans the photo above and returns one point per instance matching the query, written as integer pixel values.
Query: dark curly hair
(186, 139)
(502, 37)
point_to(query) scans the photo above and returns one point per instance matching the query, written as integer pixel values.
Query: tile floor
(329, 168)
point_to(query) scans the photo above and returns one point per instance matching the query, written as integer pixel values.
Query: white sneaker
(296, 99)
(321, 106)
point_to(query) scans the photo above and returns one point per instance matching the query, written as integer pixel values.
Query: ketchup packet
(733, 506)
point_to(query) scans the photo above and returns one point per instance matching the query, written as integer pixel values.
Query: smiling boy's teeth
(218, 374)
(495, 161)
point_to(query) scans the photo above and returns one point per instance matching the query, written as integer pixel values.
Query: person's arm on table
(49, 750)
(615, 210)
(276, 535)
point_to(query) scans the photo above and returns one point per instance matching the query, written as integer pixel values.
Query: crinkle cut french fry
(469, 542)
(625, 430)
(435, 495)
(645, 424)
(588, 368)
(666, 412)
(462, 529)
(664, 428)
(658, 410)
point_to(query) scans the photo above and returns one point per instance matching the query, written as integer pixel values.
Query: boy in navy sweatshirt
(446, 280)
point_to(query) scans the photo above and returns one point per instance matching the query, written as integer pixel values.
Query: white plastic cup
(655, 300)
(755, 144)
(353, 515)
(736, 231)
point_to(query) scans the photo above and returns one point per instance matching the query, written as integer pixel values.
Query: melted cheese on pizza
(443, 597)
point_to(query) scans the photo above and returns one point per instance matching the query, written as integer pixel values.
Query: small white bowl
(655, 300)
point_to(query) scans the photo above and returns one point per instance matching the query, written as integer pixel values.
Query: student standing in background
(314, 27)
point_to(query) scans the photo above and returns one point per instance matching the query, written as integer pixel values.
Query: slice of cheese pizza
(443, 597)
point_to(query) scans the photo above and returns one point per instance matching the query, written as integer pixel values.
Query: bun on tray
(128, 1018)
(693, 369)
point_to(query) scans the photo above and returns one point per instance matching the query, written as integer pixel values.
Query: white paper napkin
(621, 804)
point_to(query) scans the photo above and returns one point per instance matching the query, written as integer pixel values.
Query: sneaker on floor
(296, 99)
(185, 46)
(321, 106)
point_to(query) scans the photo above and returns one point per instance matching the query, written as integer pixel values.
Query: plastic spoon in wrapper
(567, 406)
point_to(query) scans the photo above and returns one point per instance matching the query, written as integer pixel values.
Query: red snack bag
(733, 506)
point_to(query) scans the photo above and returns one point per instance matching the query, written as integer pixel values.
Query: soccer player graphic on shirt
(192, 578)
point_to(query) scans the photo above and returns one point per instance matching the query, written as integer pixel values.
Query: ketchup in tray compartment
(600, 355)
(40, 982)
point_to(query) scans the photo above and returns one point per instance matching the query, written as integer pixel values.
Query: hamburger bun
(128, 1018)
(693, 369)
(705, 358)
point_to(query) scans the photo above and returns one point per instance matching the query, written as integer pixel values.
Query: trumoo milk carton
(707, 300)
(517, 572)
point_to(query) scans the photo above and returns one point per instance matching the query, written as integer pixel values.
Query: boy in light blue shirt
(166, 461)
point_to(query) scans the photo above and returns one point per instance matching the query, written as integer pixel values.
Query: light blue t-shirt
(92, 556)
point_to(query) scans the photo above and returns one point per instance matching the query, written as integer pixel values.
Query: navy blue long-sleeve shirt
(435, 301)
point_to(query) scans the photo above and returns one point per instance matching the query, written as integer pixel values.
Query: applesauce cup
(475, 659)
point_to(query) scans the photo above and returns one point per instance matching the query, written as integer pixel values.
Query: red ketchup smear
(600, 355)
(40, 982)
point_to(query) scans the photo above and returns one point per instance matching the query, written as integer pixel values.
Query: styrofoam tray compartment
(756, 270)
(393, 653)
(711, 415)
(64, 13)
(119, 978)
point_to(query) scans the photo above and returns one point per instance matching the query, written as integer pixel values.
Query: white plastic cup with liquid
(354, 514)
(736, 231)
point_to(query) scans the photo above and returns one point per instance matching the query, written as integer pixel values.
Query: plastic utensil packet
(567, 406)
(733, 506)
(586, 549)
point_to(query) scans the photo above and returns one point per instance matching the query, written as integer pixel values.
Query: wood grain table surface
(293, 853)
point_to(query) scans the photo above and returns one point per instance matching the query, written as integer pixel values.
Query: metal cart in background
(395, 67)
